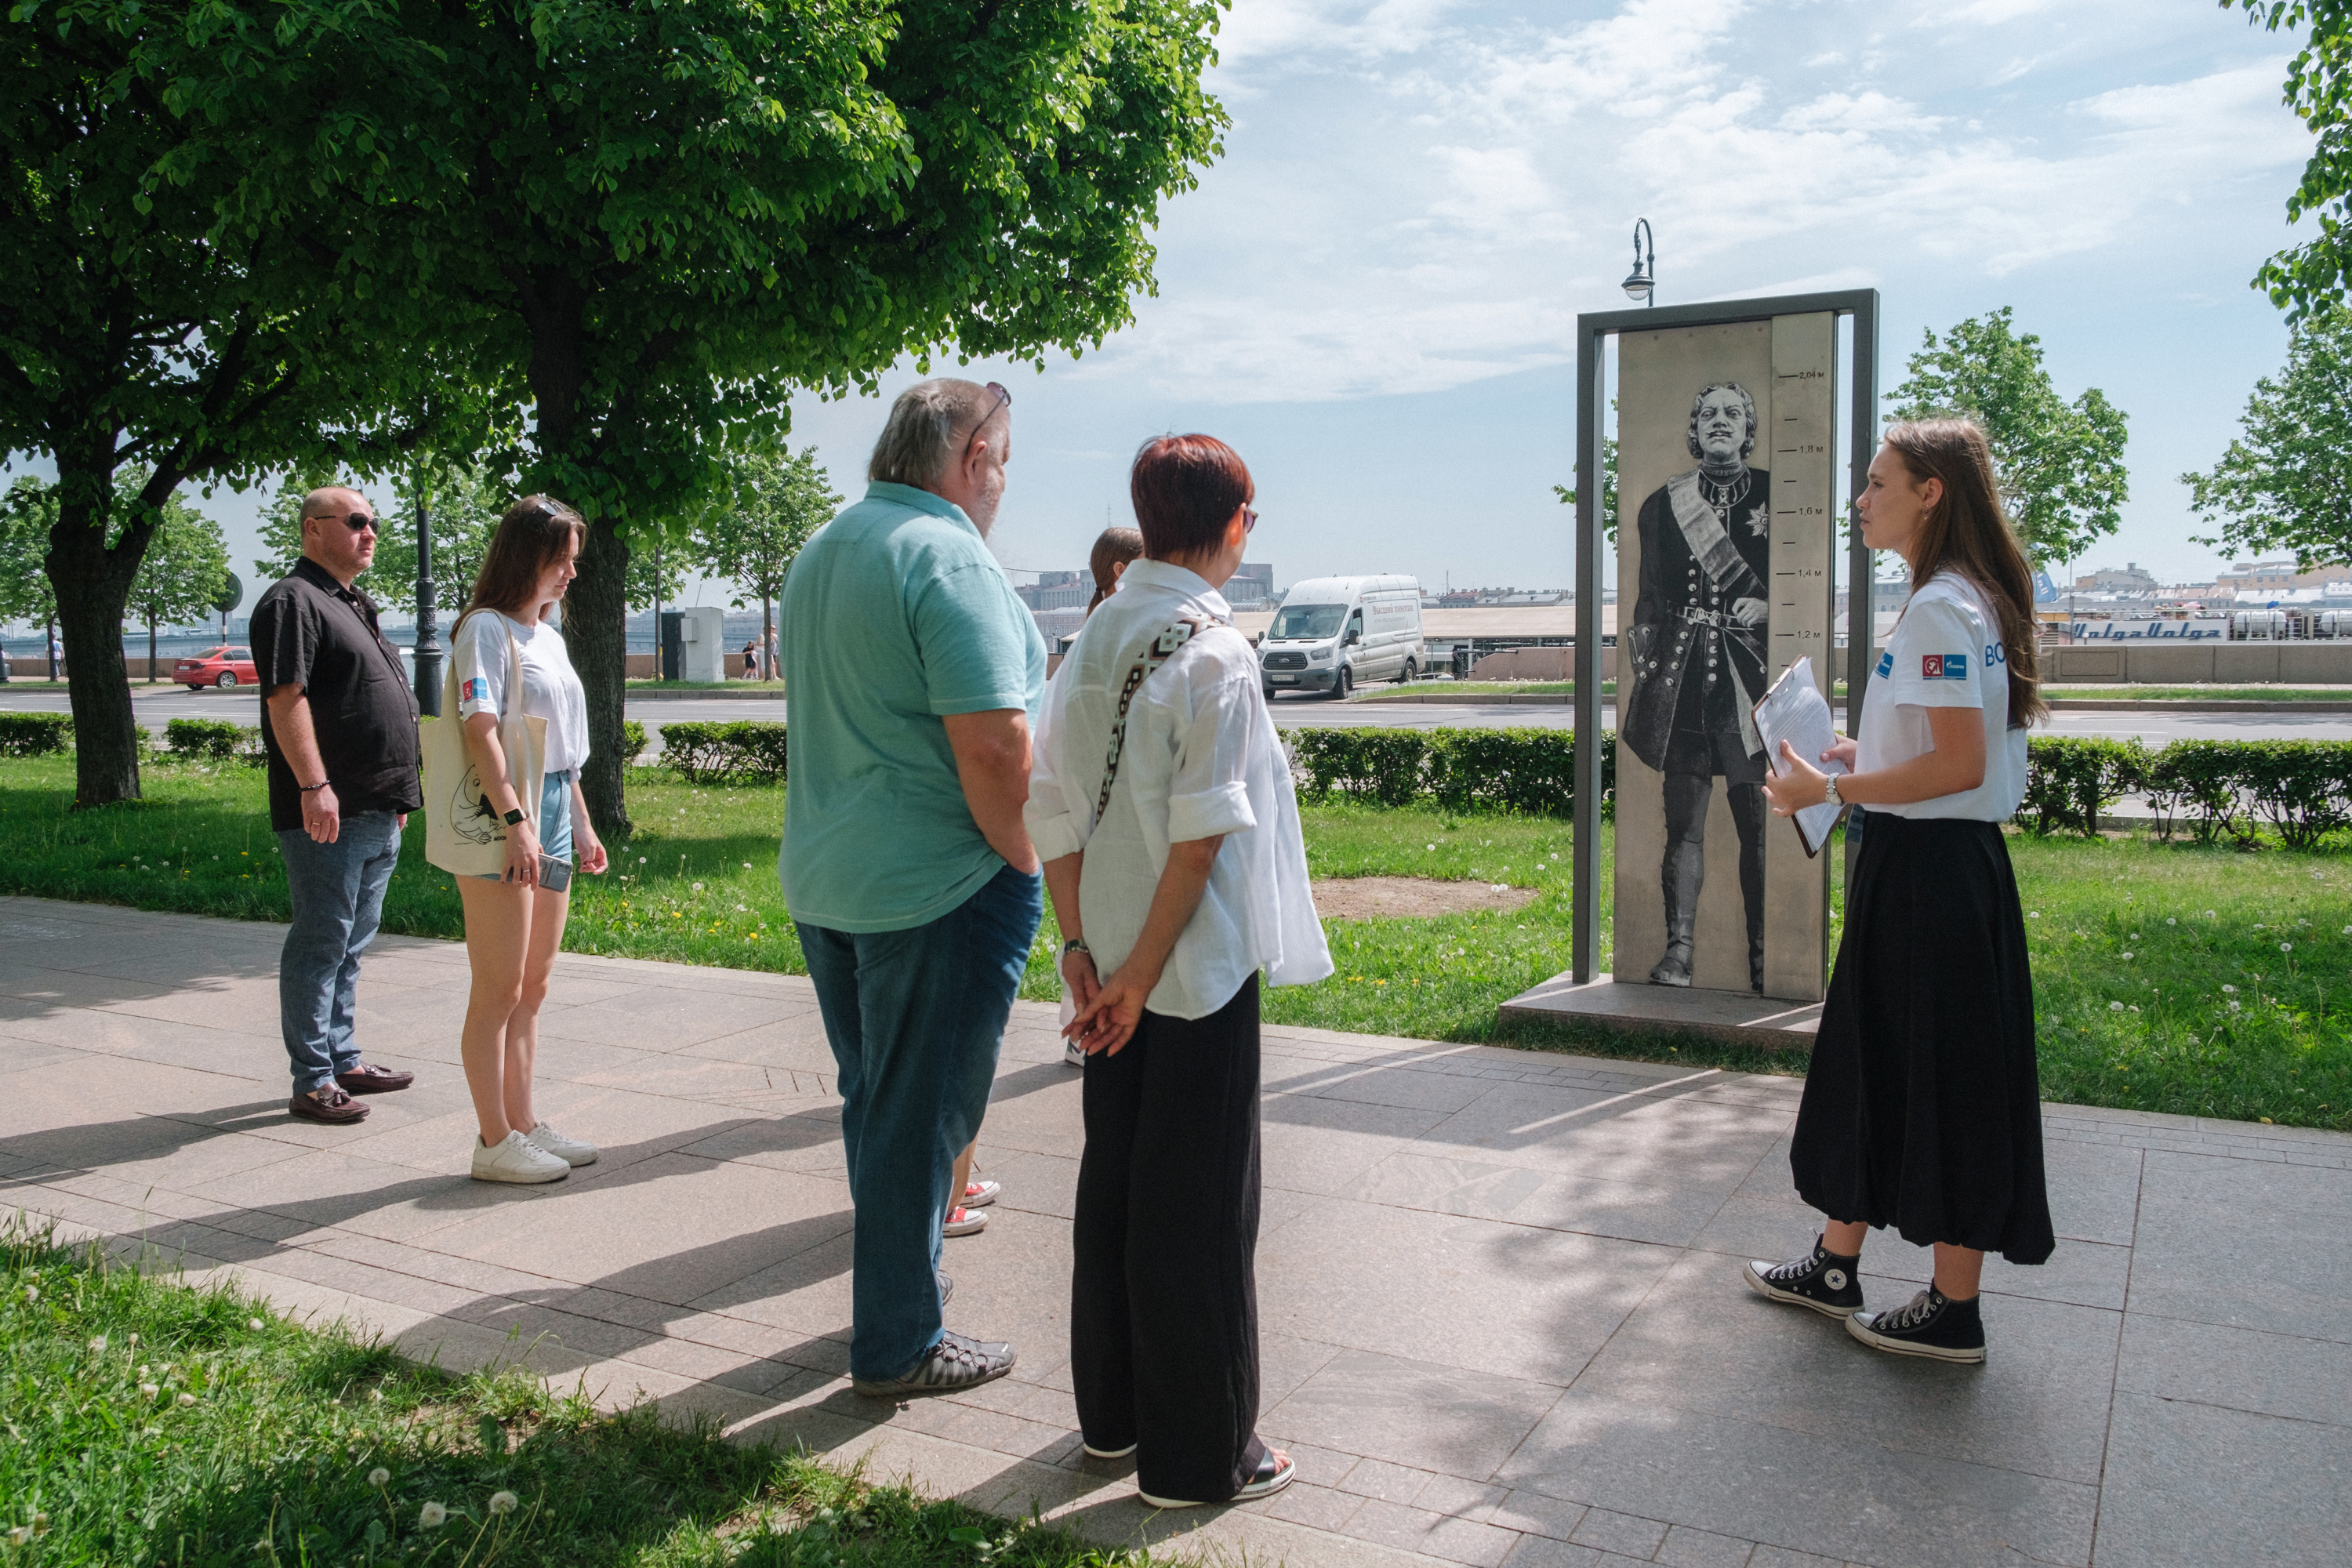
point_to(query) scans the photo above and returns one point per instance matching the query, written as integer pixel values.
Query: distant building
(2132, 578)
(1057, 591)
(1251, 586)
(2269, 579)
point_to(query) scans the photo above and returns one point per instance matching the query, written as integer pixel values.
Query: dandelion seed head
(378, 1477)
(2286, 947)
(2229, 991)
(254, 1323)
(432, 1516)
(187, 1400)
(503, 1502)
(2114, 1007)
(99, 1344)
(149, 1390)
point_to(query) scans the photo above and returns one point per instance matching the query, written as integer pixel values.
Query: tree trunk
(595, 633)
(151, 647)
(93, 589)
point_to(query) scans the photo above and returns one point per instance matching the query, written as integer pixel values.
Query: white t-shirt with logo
(1946, 651)
(551, 688)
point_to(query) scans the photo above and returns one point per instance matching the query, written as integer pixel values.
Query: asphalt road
(158, 706)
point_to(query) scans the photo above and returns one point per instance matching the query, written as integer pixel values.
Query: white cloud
(1434, 192)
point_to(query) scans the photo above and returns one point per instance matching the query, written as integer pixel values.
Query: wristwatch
(1076, 944)
(1830, 791)
(513, 816)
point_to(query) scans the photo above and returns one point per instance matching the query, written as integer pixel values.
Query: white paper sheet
(1795, 710)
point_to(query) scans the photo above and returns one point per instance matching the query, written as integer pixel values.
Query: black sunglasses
(358, 521)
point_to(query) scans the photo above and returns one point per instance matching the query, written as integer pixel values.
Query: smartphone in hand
(555, 874)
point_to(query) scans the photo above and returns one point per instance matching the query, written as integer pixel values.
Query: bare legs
(963, 1175)
(512, 934)
(1958, 1269)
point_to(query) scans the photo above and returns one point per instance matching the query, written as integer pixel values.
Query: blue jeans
(338, 894)
(916, 1018)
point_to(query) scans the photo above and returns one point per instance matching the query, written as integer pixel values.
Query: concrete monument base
(1639, 1008)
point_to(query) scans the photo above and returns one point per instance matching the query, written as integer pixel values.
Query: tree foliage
(2286, 482)
(183, 571)
(27, 512)
(663, 219)
(771, 501)
(154, 320)
(2309, 276)
(2059, 465)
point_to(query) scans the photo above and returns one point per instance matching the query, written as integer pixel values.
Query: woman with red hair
(1162, 802)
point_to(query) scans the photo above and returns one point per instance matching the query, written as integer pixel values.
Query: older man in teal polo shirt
(915, 673)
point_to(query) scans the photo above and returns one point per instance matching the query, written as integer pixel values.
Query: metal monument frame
(1591, 419)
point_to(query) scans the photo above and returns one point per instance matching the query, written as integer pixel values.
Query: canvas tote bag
(464, 833)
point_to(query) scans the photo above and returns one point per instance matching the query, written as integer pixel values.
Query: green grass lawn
(2161, 981)
(2204, 693)
(153, 1424)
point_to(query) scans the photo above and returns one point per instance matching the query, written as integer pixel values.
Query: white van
(1334, 633)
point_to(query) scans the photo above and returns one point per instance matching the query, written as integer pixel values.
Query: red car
(226, 667)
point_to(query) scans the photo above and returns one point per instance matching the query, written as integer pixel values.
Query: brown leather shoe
(330, 1105)
(369, 1078)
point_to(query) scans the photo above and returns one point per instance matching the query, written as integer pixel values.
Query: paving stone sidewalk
(1502, 1318)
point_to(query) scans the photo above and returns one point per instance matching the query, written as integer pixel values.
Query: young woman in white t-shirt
(514, 926)
(1922, 1108)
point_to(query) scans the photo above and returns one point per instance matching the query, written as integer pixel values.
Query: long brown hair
(1113, 547)
(535, 531)
(1966, 532)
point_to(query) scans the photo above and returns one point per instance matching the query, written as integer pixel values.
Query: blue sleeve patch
(1943, 667)
(475, 690)
(1886, 662)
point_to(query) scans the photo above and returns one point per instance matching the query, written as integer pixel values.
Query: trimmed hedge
(2302, 789)
(1525, 770)
(632, 740)
(210, 738)
(35, 734)
(749, 750)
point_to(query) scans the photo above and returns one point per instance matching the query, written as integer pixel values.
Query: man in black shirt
(339, 725)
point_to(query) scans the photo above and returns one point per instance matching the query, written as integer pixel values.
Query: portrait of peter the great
(1695, 656)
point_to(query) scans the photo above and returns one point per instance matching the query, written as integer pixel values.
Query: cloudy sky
(1373, 293)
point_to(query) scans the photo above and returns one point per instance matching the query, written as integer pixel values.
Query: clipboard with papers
(1795, 710)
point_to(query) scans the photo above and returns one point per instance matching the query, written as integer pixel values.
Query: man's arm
(991, 754)
(289, 720)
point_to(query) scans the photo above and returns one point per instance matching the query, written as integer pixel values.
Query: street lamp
(1642, 283)
(428, 631)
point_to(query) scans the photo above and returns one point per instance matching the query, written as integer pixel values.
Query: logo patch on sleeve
(475, 690)
(1886, 663)
(1943, 667)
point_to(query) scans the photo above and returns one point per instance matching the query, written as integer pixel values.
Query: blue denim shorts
(554, 820)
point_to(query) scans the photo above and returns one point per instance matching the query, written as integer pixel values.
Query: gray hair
(1745, 447)
(918, 441)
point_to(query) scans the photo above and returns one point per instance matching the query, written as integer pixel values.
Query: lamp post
(428, 631)
(1642, 283)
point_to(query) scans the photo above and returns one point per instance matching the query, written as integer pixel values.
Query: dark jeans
(916, 1018)
(1163, 1293)
(338, 894)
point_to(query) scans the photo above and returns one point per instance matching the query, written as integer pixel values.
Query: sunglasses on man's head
(1003, 400)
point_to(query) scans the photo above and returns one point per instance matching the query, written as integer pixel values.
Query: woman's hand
(1109, 1021)
(593, 860)
(1078, 976)
(1803, 786)
(523, 854)
(1843, 751)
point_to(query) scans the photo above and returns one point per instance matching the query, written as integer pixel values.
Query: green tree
(664, 219)
(28, 511)
(2309, 276)
(183, 571)
(751, 530)
(2059, 465)
(2286, 482)
(158, 317)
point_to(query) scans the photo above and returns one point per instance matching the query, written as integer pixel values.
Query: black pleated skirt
(1923, 1107)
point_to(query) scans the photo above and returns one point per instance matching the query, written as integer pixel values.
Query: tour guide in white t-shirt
(1922, 1108)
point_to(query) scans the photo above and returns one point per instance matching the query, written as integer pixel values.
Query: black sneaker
(1824, 1281)
(955, 1365)
(1930, 1324)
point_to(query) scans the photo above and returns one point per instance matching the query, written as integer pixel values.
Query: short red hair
(1186, 489)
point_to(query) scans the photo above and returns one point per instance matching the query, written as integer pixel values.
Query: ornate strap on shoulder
(1156, 652)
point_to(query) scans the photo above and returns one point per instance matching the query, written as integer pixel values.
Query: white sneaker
(571, 1150)
(515, 1159)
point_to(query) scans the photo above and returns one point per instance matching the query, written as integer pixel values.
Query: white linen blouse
(1202, 758)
